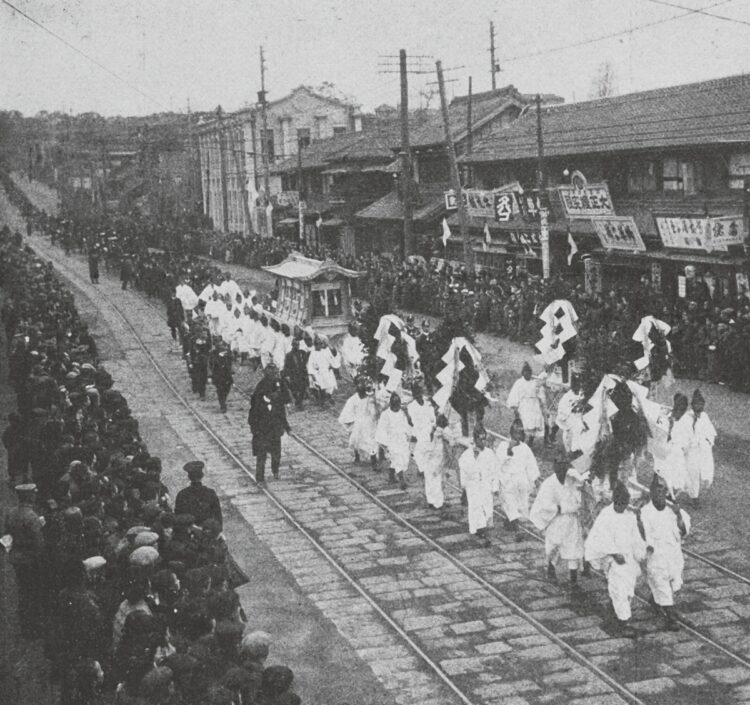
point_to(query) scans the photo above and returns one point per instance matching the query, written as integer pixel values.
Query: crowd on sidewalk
(131, 596)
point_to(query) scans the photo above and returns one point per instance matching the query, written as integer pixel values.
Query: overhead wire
(82, 53)
(700, 12)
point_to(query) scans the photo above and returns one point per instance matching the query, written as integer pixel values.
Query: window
(303, 136)
(320, 121)
(326, 303)
(642, 176)
(339, 129)
(679, 175)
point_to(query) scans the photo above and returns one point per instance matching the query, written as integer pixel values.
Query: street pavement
(486, 618)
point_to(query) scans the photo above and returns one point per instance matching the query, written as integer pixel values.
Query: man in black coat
(199, 501)
(267, 420)
(222, 374)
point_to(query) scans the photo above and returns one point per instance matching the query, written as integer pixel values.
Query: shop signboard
(498, 204)
(584, 200)
(727, 230)
(288, 199)
(685, 233)
(618, 233)
(530, 241)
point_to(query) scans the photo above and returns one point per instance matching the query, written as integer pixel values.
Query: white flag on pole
(446, 233)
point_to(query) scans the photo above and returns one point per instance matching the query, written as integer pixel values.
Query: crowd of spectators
(133, 602)
(710, 336)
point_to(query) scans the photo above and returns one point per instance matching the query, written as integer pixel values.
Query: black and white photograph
(387, 353)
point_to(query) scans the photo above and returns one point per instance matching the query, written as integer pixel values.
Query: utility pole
(223, 173)
(264, 118)
(455, 179)
(541, 183)
(406, 179)
(494, 68)
(301, 196)
(469, 135)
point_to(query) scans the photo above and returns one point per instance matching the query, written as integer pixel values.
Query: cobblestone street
(416, 600)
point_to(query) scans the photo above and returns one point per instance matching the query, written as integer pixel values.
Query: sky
(149, 56)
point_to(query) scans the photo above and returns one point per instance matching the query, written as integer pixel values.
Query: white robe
(569, 422)
(526, 396)
(423, 419)
(516, 476)
(266, 342)
(187, 297)
(556, 512)
(320, 370)
(360, 415)
(253, 334)
(699, 457)
(617, 533)
(394, 434)
(229, 286)
(478, 477)
(235, 333)
(664, 566)
(352, 354)
(207, 293)
(673, 466)
(434, 466)
(213, 315)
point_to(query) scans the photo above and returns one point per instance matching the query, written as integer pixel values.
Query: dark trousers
(260, 463)
(30, 598)
(222, 391)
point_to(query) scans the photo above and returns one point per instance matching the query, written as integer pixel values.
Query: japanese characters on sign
(618, 233)
(286, 198)
(590, 200)
(503, 207)
(526, 239)
(451, 203)
(499, 204)
(686, 233)
(725, 231)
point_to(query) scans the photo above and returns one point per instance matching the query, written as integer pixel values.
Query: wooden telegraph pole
(406, 171)
(493, 65)
(541, 183)
(468, 250)
(223, 173)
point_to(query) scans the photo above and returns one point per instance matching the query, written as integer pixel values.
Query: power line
(612, 35)
(701, 12)
(82, 53)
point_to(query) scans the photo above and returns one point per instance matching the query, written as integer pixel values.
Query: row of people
(131, 597)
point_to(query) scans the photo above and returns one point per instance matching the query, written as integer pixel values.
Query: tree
(604, 83)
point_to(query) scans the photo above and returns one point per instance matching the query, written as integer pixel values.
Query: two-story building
(238, 153)
(648, 184)
(381, 223)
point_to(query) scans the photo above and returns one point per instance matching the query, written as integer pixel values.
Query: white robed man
(671, 465)
(320, 369)
(394, 433)
(352, 351)
(664, 528)
(701, 436)
(556, 512)
(477, 468)
(266, 339)
(569, 418)
(616, 546)
(434, 459)
(208, 291)
(184, 292)
(214, 312)
(526, 401)
(229, 287)
(360, 415)
(422, 415)
(517, 474)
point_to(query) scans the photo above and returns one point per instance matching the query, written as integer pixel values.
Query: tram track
(353, 478)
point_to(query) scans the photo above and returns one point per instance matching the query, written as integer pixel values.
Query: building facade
(238, 153)
(647, 185)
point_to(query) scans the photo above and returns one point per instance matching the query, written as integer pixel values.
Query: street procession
(351, 395)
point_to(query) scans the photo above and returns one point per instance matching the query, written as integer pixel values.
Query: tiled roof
(484, 106)
(711, 112)
(427, 206)
(297, 266)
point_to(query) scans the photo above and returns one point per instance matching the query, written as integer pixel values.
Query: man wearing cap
(267, 420)
(198, 500)
(25, 528)
(221, 374)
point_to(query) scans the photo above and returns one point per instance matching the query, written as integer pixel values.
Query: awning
(333, 223)
(288, 221)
